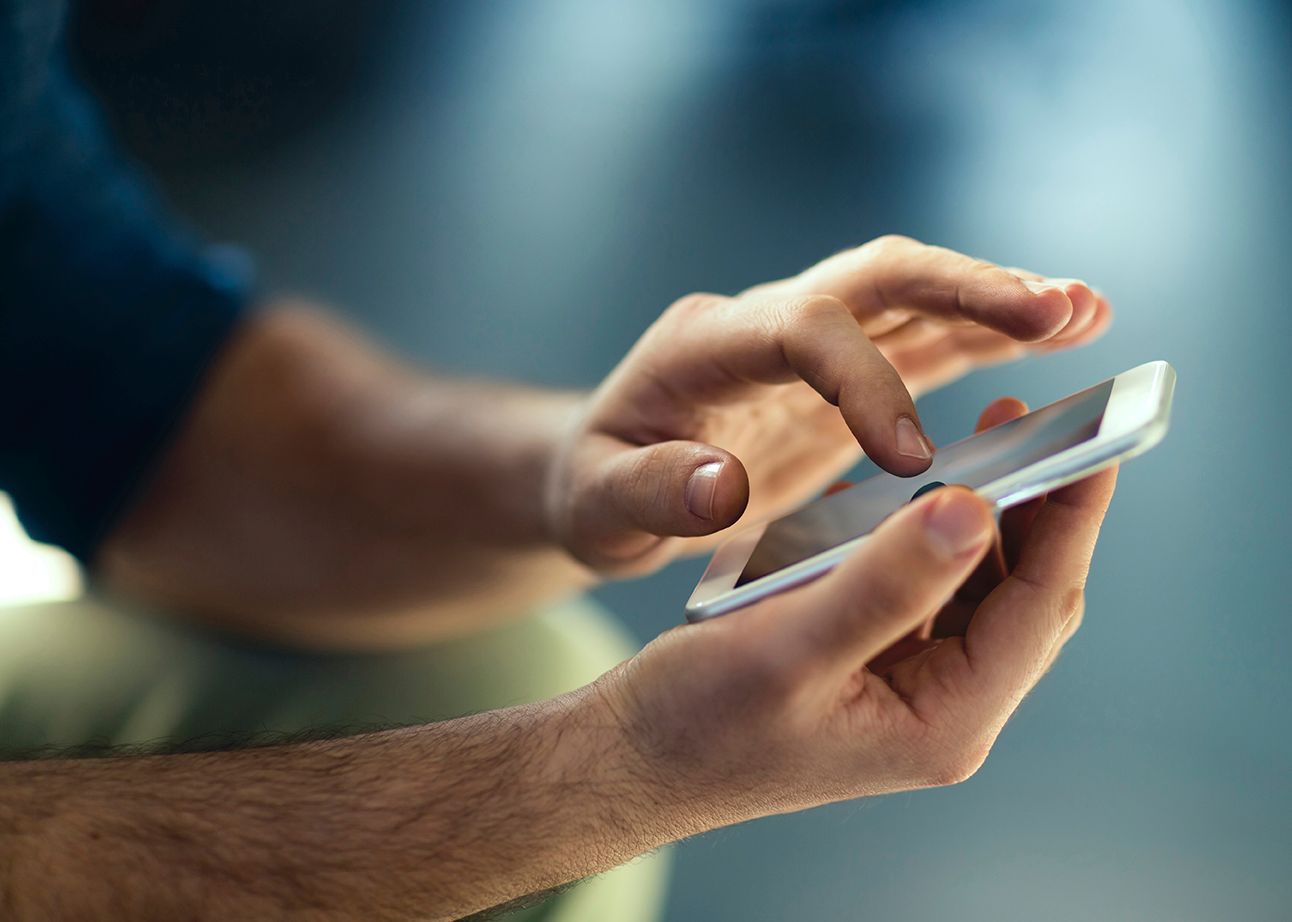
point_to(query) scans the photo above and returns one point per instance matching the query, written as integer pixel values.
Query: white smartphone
(1006, 465)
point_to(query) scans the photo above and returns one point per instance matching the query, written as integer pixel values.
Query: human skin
(321, 494)
(867, 681)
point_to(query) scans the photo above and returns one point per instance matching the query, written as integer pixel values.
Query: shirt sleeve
(109, 312)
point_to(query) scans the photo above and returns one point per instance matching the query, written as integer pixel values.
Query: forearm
(426, 823)
(321, 491)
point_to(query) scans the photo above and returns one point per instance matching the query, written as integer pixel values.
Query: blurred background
(518, 189)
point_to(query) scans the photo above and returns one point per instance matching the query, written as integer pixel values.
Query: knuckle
(956, 765)
(1076, 608)
(800, 326)
(695, 303)
(647, 478)
(890, 245)
(1072, 603)
(1076, 613)
(811, 310)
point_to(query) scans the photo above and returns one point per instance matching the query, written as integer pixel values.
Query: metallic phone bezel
(1136, 419)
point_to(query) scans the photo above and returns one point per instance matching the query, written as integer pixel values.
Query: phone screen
(973, 462)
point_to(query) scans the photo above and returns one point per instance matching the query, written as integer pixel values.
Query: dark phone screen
(973, 462)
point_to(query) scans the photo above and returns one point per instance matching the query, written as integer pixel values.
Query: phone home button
(927, 488)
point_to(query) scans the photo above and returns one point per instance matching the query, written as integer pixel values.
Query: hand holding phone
(844, 687)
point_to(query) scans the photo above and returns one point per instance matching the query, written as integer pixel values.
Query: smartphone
(1006, 465)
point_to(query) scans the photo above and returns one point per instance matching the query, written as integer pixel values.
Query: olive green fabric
(88, 671)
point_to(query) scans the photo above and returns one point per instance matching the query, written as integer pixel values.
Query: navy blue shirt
(109, 312)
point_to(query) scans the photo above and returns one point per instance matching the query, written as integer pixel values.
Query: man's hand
(320, 493)
(896, 670)
(753, 403)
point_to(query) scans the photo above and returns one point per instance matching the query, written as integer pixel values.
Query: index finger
(716, 348)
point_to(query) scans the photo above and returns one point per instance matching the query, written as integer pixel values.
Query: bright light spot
(31, 572)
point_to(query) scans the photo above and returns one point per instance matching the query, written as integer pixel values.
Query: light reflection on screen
(973, 462)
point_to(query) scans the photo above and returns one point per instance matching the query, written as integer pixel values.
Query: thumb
(634, 496)
(899, 576)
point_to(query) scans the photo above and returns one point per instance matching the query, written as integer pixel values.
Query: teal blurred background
(520, 188)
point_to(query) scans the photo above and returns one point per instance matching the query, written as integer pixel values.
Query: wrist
(556, 484)
(562, 419)
(657, 796)
(479, 453)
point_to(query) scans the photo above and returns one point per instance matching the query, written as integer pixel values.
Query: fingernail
(955, 524)
(1038, 287)
(701, 487)
(910, 441)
